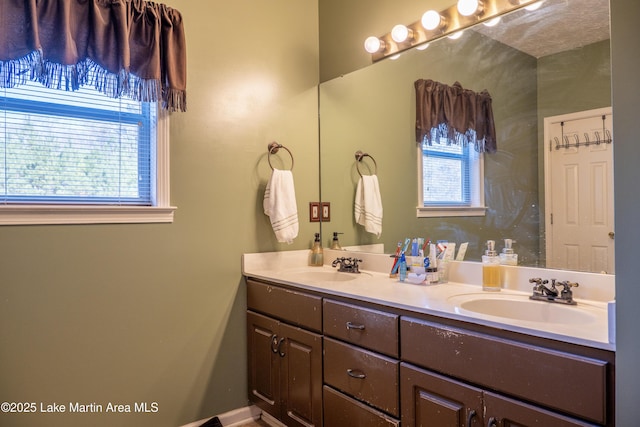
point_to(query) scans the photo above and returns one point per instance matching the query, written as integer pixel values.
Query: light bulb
(456, 35)
(423, 46)
(431, 20)
(469, 7)
(373, 44)
(534, 6)
(492, 22)
(401, 33)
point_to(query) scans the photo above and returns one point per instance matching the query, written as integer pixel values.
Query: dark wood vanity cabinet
(473, 378)
(285, 359)
(319, 360)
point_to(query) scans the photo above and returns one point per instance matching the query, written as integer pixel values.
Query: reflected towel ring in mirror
(273, 148)
(359, 156)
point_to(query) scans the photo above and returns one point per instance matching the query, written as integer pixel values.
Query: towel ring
(273, 149)
(359, 156)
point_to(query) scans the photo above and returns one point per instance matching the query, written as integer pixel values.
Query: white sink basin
(521, 308)
(325, 276)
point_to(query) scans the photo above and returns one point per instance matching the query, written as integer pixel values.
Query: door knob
(611, 235)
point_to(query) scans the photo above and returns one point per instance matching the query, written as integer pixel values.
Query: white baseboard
(233, 418)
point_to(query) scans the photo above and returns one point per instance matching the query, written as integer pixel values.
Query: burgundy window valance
(132, 48)
(460, 116)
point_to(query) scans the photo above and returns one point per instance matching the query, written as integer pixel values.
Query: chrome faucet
(543, 293)
(347, 265)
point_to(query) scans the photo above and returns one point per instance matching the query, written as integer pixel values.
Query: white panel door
(579, 191)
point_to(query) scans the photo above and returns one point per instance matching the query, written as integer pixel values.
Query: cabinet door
(264, 362)
(504, 412)
(431, 400)
(301, 377)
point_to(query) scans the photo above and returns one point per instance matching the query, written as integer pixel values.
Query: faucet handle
(567, 285)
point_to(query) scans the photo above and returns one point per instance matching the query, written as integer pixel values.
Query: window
(81, 157)
(450, 180)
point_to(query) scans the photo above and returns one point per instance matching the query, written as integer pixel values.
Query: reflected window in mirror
(450, 180)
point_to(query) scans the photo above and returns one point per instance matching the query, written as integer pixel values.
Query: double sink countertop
(591, 322)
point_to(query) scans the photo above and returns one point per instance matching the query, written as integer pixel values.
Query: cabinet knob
(492, 422)
(274, 343)
(280, 352)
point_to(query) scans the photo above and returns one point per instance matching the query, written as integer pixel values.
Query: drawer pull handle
(355, 326)
(356, 374)
(492, 422)
(470, 417)
(274, 343)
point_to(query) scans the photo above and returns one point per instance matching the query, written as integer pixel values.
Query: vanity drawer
(341, 410)
(562, 381)
(365, 375)
(294, 307)
(372, 329)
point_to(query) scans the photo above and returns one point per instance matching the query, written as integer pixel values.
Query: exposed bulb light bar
(449, 22)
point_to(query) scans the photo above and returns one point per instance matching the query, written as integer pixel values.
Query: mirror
(534, 64)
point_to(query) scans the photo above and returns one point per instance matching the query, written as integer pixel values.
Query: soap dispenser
(508, 257)
(491, 268)
(316, 256)
(335, 244)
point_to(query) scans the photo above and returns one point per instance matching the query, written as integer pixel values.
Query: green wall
(156, 313)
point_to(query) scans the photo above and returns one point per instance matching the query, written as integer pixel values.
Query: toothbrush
(396, 257)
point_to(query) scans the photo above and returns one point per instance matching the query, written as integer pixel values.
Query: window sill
(422, 212)
(53, 214)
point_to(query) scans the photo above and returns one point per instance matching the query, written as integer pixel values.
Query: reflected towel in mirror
(368, 204)
(280, 205)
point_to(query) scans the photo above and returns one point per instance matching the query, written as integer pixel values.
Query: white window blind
(446, 175)
(450, 180)
(81, 147)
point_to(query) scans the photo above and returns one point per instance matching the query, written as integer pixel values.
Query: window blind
(78, 147)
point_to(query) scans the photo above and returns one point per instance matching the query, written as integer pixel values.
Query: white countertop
(439, 299)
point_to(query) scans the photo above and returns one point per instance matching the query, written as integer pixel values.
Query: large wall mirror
(535, 64)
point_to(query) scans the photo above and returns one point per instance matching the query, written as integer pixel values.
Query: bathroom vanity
(335, 350)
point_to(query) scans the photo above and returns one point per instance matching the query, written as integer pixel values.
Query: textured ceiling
(557, 26)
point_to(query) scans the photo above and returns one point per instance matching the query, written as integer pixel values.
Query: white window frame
(160, 212)
(477, 206)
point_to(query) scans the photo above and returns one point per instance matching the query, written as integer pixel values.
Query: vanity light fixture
(401, 34)
(434, 25)
(373, 45)
(432, 20)
(470, 7)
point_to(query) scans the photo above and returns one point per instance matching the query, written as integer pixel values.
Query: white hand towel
(368, 204)
(280, 205)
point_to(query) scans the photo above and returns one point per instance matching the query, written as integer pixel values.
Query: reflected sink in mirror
(521, 308)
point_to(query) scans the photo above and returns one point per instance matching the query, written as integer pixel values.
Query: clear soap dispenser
(491, 268)
(316, 256)
(508, 257)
